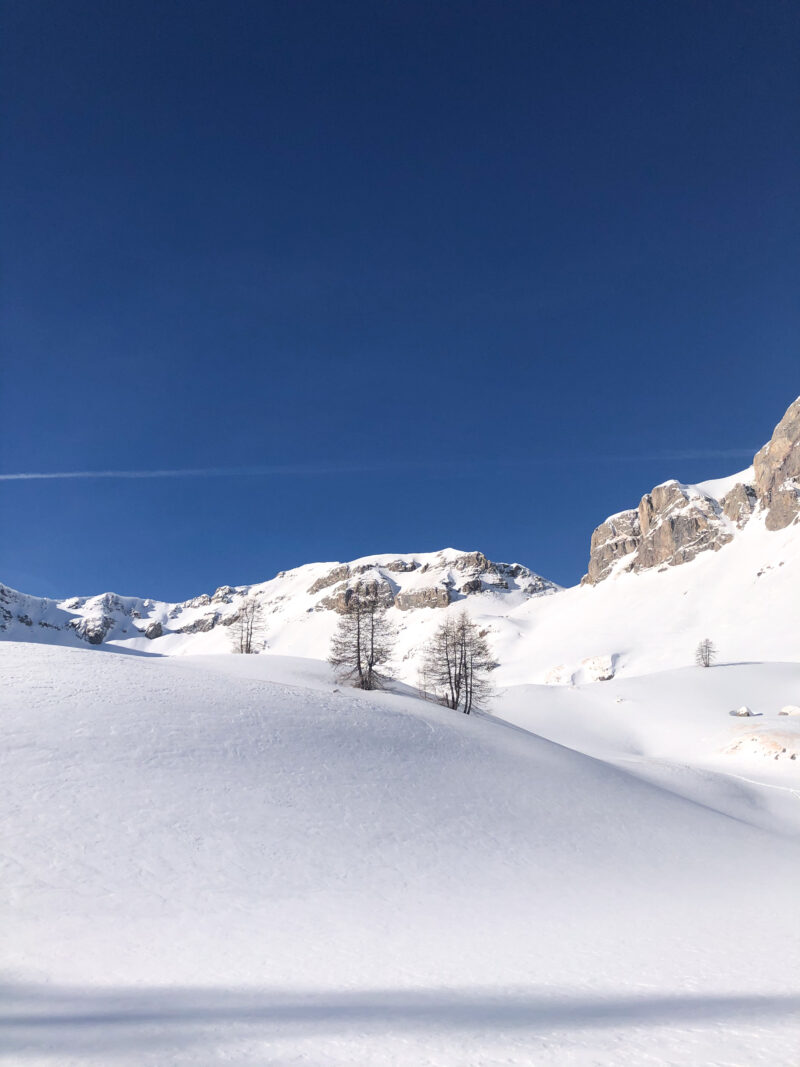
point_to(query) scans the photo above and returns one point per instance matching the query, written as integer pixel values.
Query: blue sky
(470, 274)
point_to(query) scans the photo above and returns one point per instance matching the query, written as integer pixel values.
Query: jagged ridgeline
(408, 583)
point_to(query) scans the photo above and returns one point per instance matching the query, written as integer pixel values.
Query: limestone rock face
(613, 539)
(675, 526)
(153, 631)
(675, 522)
(370, 588)
(777, 468)
(740, 503)
(437, 596)
(338, 574)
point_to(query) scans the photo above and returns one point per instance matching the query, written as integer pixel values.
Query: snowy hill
(211, 858)
(226, 860)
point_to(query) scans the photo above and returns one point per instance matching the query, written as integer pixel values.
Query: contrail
(195, 472)
(320, 469)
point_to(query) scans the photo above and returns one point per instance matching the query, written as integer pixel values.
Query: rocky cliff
(674, 522)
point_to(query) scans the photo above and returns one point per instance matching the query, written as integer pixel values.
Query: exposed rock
(153, 631)
(675, 522)
(26, 620)
(672, 524)
(777, 469)
(224, 594)
(743, 712)
(619, 536)
(430, 597)
(198, 602)
(343, 594)
(740, 503)
(338, 574)
(676, 526)
(472, 561)
(474, 585)
(92, 630)
(538, 586)
(201, 625)
(401, 566)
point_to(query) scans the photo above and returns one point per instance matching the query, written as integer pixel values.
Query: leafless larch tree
(247, 629)
(706, 653)
(362, 646)
(456, 665)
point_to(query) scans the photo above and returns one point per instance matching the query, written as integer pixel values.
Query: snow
(226, 859)
(720, 487)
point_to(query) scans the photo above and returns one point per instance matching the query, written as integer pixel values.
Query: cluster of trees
(455, 663)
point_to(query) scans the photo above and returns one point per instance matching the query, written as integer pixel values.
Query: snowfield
(224, 859)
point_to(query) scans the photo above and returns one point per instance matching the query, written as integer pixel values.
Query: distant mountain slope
(299, 606)
(718, 559)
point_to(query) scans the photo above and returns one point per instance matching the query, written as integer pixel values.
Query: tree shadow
(42, 1020)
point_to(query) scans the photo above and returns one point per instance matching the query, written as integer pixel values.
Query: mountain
(719, 559)
(299, 606)
(675, 522)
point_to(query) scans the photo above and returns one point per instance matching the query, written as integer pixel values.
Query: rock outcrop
(777, 468)
(675, 522)
(434, 596)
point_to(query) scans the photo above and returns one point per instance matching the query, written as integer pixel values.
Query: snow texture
(225, 859)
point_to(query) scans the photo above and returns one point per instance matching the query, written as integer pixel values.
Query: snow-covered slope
(299, 606)
(745, 597)
(226, 860)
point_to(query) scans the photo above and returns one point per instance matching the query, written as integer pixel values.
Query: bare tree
(456, 665)
(247, 628)
(706, 653)
(363, 641)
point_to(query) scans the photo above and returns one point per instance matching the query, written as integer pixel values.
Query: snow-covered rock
(676, 521)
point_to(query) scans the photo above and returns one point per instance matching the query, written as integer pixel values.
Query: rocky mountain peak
(674, 522)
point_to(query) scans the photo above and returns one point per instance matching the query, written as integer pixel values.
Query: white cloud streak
(332, 469)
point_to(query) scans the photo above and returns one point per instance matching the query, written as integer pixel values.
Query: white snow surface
(228, 859)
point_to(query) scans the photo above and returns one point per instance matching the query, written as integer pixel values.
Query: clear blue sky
(477, 273)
